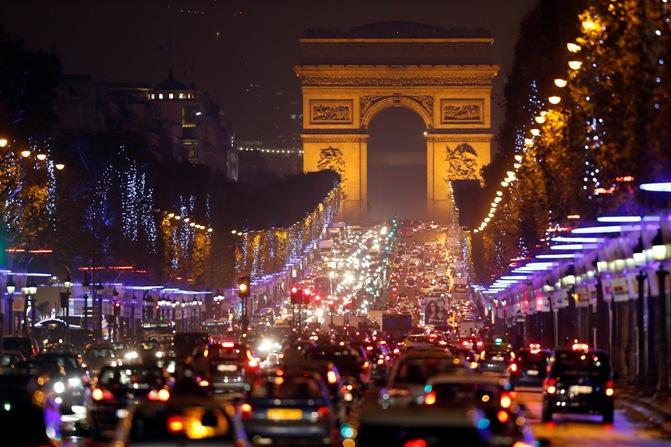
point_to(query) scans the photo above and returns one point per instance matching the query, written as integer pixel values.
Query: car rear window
(465, 392)
(221, 353)
(496, 356)
(419, 370)
(528, 360)
(279, 387)
(131, 376)
(100, 353)
(581, 364)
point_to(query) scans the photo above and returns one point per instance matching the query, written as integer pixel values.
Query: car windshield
(197, 424)
(126, 377)
(279, 387)
(66, 363)
(16, 343)
(568, 364)
(347, 361)
(392, 435)
(100, 353)
(419, 370)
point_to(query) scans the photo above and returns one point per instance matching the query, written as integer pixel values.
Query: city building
(176, 120)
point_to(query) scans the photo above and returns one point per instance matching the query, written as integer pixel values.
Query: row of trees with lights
(579, 136)
(111, 206)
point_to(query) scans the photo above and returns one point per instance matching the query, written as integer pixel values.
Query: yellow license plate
(283, 414)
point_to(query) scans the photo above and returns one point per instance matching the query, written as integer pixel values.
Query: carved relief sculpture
(462, 162)
(465, 111)
(332, 158)
(331, 112)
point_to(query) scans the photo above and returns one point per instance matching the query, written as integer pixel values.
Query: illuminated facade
(347, 78)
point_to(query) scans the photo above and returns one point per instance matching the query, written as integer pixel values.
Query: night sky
(241, 52)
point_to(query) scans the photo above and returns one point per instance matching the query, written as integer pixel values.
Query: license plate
(227, 368)
(284, 414)
(580, 389)
(497, 358)
(532, 372)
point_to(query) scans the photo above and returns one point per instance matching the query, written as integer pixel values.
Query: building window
(153, 96)
(160, 96)
(170, 95)
(181, 96)
(188, 116)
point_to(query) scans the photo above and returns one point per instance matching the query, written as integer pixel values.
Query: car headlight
(74, 382)
(131, 355)
(265, 345)
(159, 354)
(59, 387)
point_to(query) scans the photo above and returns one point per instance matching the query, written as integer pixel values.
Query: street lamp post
(642, 322)
(11, 288)
(658, 252)
(65, 304)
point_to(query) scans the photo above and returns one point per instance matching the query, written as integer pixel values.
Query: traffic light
(307, 295)
(244, 287)
(117, 309)
(296, 295)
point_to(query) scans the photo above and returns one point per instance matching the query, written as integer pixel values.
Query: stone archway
(347, 78)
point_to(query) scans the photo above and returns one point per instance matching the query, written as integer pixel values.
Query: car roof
(470, 379)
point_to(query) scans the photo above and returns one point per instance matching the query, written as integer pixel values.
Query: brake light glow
(175, 424)
(204, 383)
(502, 416)
(551, 386)
(160, 395)
(610, 388)
(505, 400)
(430, 398)
(324, 413)
(246, 411)
(253, 363)
(227, 344)
(99, 394)
(331, 377)
(583, 347)
(415, 443)
(513, 367)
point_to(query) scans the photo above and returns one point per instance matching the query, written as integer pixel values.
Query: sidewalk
(654, 411)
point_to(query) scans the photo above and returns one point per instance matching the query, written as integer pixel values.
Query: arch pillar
(347, 154)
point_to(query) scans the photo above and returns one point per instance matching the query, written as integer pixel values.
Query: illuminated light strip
(110, 267)
(577, 240)
(574, 247)
(557, 256)
(606, 229)
(514, 277)
(36, 275)
(628, 219)
(656, 187)
(23, 250)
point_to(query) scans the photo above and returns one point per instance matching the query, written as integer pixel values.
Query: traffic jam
(381, 342)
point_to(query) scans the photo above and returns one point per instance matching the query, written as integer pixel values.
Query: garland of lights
(265, 252)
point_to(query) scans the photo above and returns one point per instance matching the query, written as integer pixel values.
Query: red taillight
(502, 416)
(513, 367)
(551, 386)
(161, 395)
(323, 412)
(99, 394)
(331, 377)
(246, 411)
(430, 398)
(610, 388)
(415, 443)
(175, 424)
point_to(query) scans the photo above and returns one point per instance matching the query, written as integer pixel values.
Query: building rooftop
(395, 30)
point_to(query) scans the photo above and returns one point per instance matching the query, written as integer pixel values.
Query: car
(186, 343)
(230, 364)
(530, 367)
(419, 426)
(353, 369)
(496, 360)
(10, 359)
(579, 381)
(26, 345)
(183, 422)
(69, 379)
(116, 387)
(30, 414)
(412, 370)
(291, 408)
(97, 355)
(506, 420)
